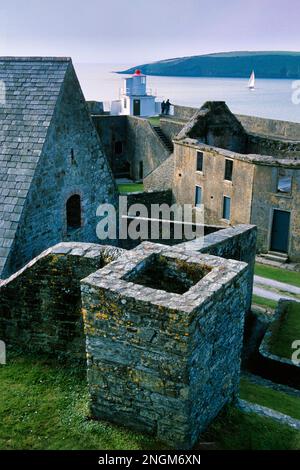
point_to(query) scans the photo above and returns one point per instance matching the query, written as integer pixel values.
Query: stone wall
(95, 107)
(270, 127)
(252, 124)
(41, 305)
(162, 177)
(238, 243)
(72, 162)
(112, 131)
(142, 149)
(163, 362)
(171, 127)
(144, 146)
(277, 148)
(146, 198)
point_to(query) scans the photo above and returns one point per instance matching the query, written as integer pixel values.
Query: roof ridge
(35, 59)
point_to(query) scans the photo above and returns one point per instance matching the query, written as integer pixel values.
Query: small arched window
(74, 212)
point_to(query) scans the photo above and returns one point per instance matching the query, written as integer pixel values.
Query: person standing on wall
(163, 107)
(167, 106)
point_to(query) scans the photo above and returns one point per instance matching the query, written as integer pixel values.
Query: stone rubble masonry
(238, 243)
(158, 361)
(41, 304)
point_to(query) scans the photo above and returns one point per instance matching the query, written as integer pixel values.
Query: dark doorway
(141, 170)
(280, 231)
(73, 212)
(136, 107)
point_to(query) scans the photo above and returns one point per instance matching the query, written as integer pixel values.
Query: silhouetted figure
(163, 107)
(167, 106)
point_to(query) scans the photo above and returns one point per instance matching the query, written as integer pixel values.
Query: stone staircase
(275, 256)
(164, 139)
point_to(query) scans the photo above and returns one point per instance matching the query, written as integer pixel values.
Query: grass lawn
(263, 302)
(130, 187)
(234, 430)
(286, 331)
(154, 121)
(273, 399)
(278, 274)
(44, 406)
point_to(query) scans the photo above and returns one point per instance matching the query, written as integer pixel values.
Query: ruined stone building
(239, 176)
(53, 173)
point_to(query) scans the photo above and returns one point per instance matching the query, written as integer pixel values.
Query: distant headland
(267, 64)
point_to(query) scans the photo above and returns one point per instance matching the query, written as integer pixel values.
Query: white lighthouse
(134, 98)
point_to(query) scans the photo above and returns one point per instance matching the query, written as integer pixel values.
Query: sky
(140, 31)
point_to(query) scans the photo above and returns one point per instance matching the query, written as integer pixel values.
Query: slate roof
(29, 88)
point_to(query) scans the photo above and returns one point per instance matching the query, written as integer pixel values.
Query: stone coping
(215, 238)
(111, 277)
(87, 250)
(249, 407)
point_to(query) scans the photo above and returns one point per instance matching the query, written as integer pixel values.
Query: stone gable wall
(58, 176)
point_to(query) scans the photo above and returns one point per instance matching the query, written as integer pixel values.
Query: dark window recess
(141, 170)
(74, 212)
(226, 207)
(118, 148)
(199, 161)
(198, 196)
(73, 161)
(228, 170)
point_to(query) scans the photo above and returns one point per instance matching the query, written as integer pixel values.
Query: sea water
(272, 98)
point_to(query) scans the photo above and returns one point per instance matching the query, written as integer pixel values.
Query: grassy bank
(263, 302)
(270, 398)
(286, 331)
(130, 187)
(44, 406)
(281, 275)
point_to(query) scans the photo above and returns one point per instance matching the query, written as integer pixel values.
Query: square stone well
(164, 331)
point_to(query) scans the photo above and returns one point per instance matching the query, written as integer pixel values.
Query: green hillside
(267, 64)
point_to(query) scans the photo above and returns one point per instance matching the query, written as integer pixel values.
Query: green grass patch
(154, 121)
(285, 331)
(256, 299)
(234, 430)
(270, 398)
(277, 274)
(44, 406)
(130, 187)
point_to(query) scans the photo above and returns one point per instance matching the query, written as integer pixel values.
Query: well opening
(168, 274)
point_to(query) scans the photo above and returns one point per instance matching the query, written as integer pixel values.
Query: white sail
(251, 83)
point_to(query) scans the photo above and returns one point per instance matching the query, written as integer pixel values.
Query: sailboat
(251, 84)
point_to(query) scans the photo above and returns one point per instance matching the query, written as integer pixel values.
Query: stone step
(275, 256)
(163, 138)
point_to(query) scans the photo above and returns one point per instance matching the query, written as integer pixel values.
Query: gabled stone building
(53, 173)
